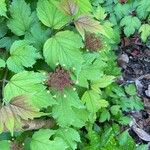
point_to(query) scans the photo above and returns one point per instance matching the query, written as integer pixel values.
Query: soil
(134, 58)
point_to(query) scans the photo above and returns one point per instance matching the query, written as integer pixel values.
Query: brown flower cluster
(60, 79)
(92, 42)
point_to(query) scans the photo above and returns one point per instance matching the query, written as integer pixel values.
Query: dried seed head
(92, 42)
(60, 79)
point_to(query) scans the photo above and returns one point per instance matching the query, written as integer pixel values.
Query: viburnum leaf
(103, 82)
(96, 71)
(69, 7)
(70, 110)
(50, 15)
(3, 28)
(70, 136)
(13, 112)
(145, 32)
(2, 63)
(3, 8)
(42, 139)
(38, 35)
(21, 17)
(84, 6)
(63, 49)
(99, 13)
(93, 101)
(6, 42)
(130, 24)
(143, 9)
(85, 23)
(30, 84)
(5, 145)
(19, 56)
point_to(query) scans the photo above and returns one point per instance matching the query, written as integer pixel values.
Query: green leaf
(84, 6)
(3, 28)
(49, 15)
(3, 8)
(38, 35)
(121, 10)
(93, 101)
(17, 110)
(96, 71)
(21, 17)
(70, 110)
(64, 48)
(2, 63)
(130, 24)
(131, 89)
(5, 145)
(70, 136)
(143, 9)
(105, 115)
(6, 42)
(20, 57)
(41, 140)
(103, 82)
(30, 84)
(100, 13)
(145, 32)
(125, 120)
(115, 109)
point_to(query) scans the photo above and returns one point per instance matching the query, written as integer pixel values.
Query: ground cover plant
(74, 74)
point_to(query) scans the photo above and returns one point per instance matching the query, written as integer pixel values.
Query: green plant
(57, 71)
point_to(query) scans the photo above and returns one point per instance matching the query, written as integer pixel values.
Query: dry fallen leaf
(12, 114)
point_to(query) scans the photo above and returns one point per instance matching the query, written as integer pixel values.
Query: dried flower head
(92, 42)
(60, 79)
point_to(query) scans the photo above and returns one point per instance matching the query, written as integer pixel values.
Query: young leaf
(5, 145)
(130, 24)
(49, 15)
(70, 136)
(21, 17)
(100, 13)
(15, 111)
(38, 35)
(42, 140)
(3, 8)
(96, 71)
(29, 83)
(63, 48)
(70, 110)
(143, 9)
(93, 101)
(20, 57)
(131, 89)
(105, 115)
(85, 23)
(2, 63)
(145, 32)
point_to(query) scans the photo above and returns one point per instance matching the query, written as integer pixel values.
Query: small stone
(77, 82)
(74, 89)
(65, 95)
